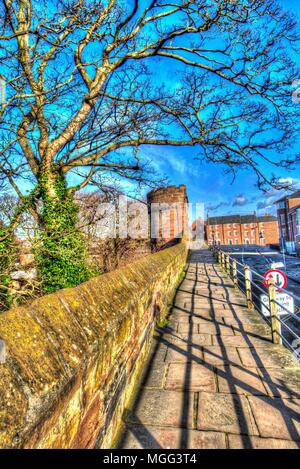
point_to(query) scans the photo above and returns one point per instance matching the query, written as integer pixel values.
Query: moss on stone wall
(71, 355)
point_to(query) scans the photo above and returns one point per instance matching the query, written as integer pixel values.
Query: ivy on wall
(7, 261)
(60, 252)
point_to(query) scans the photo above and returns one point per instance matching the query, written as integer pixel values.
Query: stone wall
(72, 358)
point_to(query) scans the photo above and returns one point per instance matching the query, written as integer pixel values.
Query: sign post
(275, 323)
(276, 280)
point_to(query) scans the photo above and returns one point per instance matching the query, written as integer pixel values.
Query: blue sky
(207, 182)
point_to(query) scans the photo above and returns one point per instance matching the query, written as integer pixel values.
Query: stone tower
(168, 215)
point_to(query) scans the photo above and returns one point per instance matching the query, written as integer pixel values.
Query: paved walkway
(215, 380)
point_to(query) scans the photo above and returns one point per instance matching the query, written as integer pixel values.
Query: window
(229, 233)
(298, 221)
(235, 233)
(234, 225)
(246, 225)
(282, 219)
(246, 234)
(236, 241)
(252, 233)
(228, 226)
(230, 241)
(247, 241)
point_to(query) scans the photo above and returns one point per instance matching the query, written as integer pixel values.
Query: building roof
(266, 218)
(294, 195)
(222, 220)
(294, 209)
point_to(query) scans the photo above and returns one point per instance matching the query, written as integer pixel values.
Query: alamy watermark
(296, 92)
(2, 351)
(127, 218)
(2, 91)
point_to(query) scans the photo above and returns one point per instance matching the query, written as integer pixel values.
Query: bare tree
(83, 93)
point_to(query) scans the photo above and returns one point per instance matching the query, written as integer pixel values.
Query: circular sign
(279, 277)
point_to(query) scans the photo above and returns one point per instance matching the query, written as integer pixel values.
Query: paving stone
(154, 375)
(277, 418)
(179, 318)
(255, 442)
(215, 329)
(222, 313)
(188, 328)
(183, 304)
(228, 413)
(282, 382)
(147, 437)
(192, 377)
(239, 380)
(229, 340)
(216, 355)
(273, 357)
(183, 354)
(163, 408)
(202, 312)
(198, 318)
(181, 338)
(201, 339)
(158, 352)
(252, 330)
(243, 341)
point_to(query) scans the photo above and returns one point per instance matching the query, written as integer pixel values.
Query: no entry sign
(279, 277)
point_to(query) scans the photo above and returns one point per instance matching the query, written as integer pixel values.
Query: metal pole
(219, 257)
(234, 272)
(223, 261)
(247, 273)
(228, 265)
(275, 323)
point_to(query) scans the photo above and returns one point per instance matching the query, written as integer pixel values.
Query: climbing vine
(7, 261)
(60, 253)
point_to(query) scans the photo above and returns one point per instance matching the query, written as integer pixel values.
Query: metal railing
(250, 283)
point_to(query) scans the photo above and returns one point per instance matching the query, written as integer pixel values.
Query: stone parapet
(72, 358)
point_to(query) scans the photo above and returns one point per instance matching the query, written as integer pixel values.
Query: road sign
(279, 277)
(277, 265)
(285, 306)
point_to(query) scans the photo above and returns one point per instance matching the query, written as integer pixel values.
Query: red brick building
(242, 229)
(288, 212)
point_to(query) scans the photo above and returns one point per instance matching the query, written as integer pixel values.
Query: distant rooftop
(294, 195)
(252, 218)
